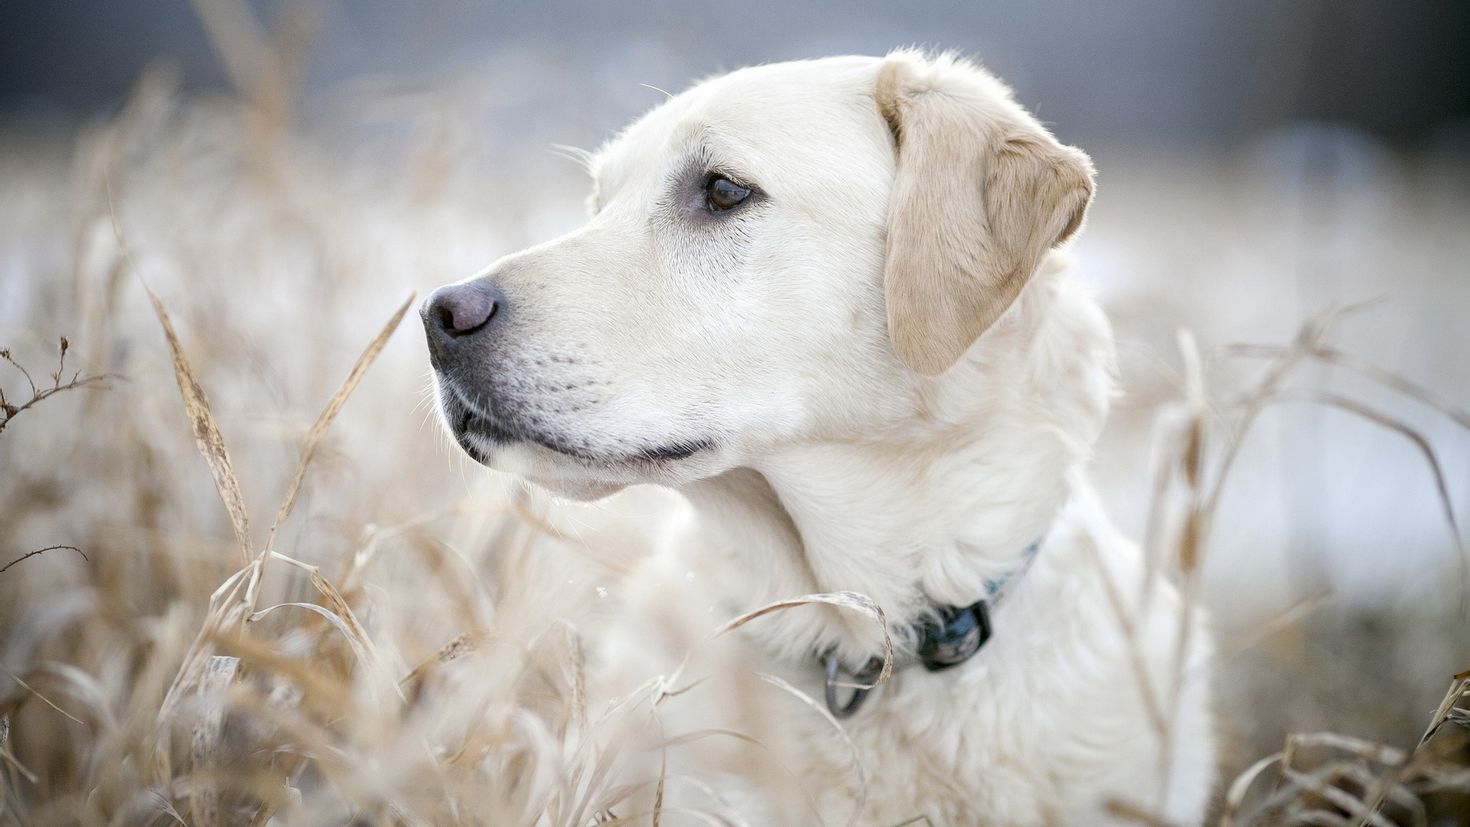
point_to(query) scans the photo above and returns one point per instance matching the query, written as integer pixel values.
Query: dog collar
(952, 636)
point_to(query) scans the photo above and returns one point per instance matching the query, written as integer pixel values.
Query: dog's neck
(931, 512)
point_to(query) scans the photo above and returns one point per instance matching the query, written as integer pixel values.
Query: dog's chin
(542, 467)
(572, 488)
(580, 474)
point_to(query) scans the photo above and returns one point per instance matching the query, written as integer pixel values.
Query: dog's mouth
(477, 433)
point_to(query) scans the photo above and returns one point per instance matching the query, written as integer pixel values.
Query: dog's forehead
(757, 110)
(827, 85)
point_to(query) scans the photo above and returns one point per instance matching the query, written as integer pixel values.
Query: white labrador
(823, 300)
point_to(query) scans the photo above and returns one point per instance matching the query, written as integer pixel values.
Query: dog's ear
(981, 192)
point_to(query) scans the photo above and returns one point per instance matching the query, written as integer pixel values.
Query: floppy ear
(981, 192)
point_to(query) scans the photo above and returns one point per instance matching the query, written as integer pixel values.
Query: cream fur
(836, 461)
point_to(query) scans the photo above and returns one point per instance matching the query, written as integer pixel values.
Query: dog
(826, 302)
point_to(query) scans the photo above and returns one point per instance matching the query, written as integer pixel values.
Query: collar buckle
(955, 637)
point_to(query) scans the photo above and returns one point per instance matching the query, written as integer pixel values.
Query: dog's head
(784, 253)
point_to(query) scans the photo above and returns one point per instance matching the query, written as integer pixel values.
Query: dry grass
(403, 646)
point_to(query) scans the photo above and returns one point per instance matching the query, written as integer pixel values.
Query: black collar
(949, 639)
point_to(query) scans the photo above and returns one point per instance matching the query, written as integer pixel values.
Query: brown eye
(722, 194)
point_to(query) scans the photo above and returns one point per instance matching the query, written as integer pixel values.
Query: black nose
(461, 310)
(453, 316)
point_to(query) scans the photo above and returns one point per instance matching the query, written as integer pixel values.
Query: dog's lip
(468, 421)
(673, 452)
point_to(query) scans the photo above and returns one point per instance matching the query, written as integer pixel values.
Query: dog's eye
(722, 194)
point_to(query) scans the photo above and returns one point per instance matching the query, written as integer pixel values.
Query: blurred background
(1209, 75)
(285, 173)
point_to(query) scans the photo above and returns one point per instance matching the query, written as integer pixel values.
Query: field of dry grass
(264, 613)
